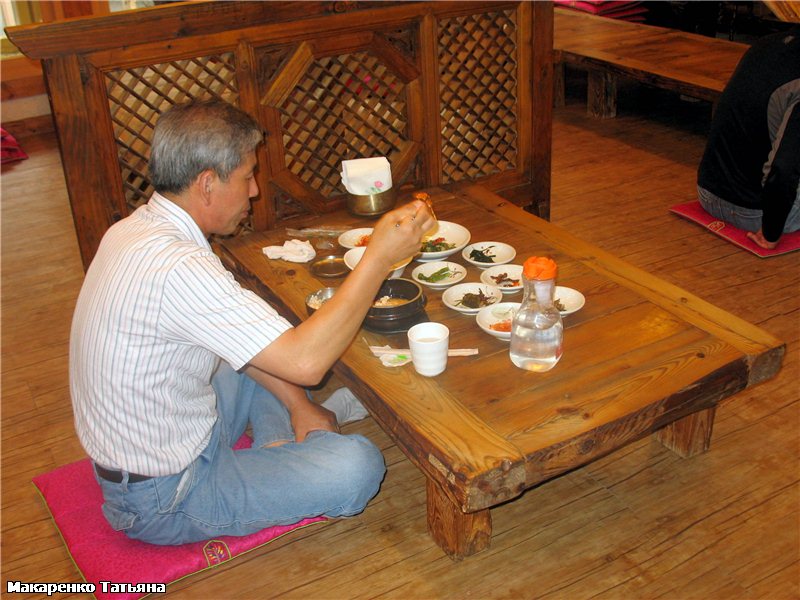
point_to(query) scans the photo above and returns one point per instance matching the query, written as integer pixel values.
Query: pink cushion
(10, 150)
(693, 211)
(102, 554)
(601, 7)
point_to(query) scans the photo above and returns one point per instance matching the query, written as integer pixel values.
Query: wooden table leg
(559, 85)
(458, 533)
(690, 435)
(601, 94)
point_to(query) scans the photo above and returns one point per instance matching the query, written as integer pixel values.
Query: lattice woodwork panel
(343, 107)
(478, 95)
(137, 96)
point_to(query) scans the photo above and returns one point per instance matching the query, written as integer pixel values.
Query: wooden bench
(693, 65)
(447, 91)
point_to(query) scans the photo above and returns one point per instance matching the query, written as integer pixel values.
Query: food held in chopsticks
(425, 197)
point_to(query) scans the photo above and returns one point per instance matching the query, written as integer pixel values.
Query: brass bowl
(372, 205)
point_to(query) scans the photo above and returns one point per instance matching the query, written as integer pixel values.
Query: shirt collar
(164, 208)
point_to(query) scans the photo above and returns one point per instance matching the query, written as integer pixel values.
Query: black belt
(116, 476)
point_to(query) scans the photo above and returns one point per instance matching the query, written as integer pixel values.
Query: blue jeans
(748, 219)
(227, 492)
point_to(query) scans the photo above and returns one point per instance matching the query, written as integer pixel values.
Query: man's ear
(205, 183)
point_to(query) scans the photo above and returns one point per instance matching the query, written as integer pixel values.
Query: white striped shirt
(156, 312)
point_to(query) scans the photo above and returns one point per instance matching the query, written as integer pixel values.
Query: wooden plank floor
(640, 523)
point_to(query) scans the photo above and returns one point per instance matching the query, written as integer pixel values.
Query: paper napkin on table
(363, 176)
(292, 250)
(391, 358)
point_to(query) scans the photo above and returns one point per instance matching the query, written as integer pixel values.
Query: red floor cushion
(102, 554)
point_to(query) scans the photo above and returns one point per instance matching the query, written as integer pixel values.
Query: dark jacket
(742, 162)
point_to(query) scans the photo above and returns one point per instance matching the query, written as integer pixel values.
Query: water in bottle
(537, 332)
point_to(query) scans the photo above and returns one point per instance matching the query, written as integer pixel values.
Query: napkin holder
(372, 205)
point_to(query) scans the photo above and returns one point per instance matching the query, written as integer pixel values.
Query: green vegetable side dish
(443, 273)
(436, 245)
(482, 255)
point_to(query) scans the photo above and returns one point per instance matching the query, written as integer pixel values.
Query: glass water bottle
(537, 332)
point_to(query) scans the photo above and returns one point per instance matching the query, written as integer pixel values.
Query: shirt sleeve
(783, 178)
(204, 305)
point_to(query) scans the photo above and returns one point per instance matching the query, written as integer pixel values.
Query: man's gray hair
(202, 134)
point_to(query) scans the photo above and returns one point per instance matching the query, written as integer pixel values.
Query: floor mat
(693, 211)
(117, 566)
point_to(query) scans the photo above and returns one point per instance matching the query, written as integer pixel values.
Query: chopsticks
(429, 202)
(322, 231)
(381, 350)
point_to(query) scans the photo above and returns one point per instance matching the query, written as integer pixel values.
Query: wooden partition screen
(448, 91)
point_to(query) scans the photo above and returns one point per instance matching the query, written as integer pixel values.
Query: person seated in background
(171, 359)
(749, 175)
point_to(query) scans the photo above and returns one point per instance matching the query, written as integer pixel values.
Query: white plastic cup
(429, 343)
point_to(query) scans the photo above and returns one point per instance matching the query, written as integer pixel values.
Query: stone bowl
(399, 317)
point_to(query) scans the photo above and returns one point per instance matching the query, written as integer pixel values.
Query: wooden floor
(640, 523)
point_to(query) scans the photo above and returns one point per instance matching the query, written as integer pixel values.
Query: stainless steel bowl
(372, 205)
(318, 298)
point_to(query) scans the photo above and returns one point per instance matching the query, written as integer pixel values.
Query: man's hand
(758, 238)
(306, 416)
(312, 417)
(397, 236)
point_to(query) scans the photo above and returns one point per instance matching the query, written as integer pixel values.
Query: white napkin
(389, 357)
(292, 250)
(363, 176)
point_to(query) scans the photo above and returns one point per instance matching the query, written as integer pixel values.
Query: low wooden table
(642, 356)
(687, 63)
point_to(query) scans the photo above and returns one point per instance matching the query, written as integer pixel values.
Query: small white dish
(453, 275)
(353, 256)
(355, 238)
(453, 233)
(499, 253)
(490, 316)
(572, 300)
(511, 283)
(453, 296)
